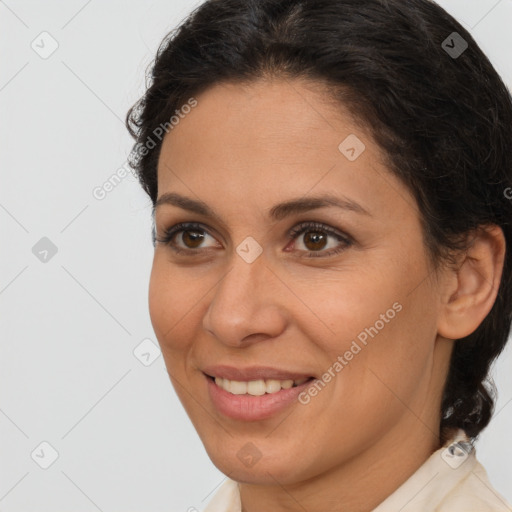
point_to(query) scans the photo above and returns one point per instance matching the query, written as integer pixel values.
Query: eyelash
(295, 232)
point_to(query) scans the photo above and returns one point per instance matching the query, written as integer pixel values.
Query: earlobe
(473, 286)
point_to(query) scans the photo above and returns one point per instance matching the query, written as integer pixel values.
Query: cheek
(171, 305)
(343, 306)
(372, 331)
(386, 366)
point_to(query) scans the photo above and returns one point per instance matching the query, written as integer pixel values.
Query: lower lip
(253, 408)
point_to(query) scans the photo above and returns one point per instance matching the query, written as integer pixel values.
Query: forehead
(268, 140)
(259, 121)
(276, 111)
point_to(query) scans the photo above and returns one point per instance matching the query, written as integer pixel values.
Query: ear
(469, 290)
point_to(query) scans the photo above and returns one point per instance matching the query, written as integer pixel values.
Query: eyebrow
(277, 212)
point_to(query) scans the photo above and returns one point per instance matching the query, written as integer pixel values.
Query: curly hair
(442, 118)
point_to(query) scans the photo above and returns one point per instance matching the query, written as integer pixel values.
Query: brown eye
(318, 240)
(315, 241)
(192, 239)
(188, 237)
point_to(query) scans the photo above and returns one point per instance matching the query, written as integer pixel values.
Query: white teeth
(273, 386)
(256, 387)
(237, 388)
(286, 384)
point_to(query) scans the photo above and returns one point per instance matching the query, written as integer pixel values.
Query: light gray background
(69, 325)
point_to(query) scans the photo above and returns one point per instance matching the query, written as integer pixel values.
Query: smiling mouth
(257, 387)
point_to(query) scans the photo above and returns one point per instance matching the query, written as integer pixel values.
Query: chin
(249, 465)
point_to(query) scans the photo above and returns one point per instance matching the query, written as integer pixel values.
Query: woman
(332, 270)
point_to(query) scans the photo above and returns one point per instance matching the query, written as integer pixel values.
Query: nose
(246, 306)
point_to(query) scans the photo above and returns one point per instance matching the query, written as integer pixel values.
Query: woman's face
(346, 298)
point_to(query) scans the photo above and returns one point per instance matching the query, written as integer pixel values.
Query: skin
(242, 150)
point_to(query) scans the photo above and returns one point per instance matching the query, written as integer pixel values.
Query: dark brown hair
(438, 110)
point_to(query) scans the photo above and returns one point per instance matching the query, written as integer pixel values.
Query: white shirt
(450, 480)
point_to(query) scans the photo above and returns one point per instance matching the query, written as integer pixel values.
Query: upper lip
(253, 373)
